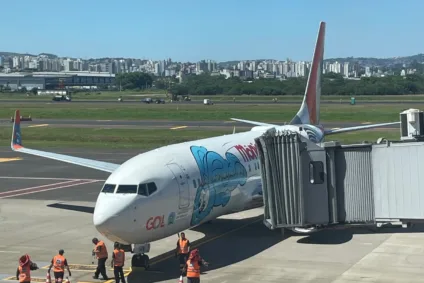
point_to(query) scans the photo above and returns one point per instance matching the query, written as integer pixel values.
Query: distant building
(55, 80)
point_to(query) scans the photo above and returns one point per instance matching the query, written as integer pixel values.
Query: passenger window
(316, 172)
(194, 183)
(151, 187)
(142, 190)
(127, 189)
(108, 188)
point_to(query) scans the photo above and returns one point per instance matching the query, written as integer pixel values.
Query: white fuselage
(190, 183)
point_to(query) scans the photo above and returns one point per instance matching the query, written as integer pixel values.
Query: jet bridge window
(316, 172)
(147, 189)
(108, 188)
(127, 189)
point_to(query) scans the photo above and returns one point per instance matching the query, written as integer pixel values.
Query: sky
(192, 30)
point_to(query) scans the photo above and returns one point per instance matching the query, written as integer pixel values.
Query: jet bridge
(310, 186)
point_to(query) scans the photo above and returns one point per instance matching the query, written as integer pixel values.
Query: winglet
(16, 143)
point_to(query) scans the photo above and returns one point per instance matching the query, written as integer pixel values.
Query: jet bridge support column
(293, 180)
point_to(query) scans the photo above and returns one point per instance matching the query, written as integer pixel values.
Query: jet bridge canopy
(316, 185)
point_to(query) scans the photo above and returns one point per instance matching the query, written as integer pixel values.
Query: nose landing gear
(140, 259)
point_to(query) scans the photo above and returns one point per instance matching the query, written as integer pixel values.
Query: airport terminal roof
(57, 74)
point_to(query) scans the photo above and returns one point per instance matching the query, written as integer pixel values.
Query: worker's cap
(95, 240)
(61, 251)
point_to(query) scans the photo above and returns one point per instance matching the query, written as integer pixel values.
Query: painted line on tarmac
(44, 188)
(10, 159)
(179, 127)
(35, 126)
(48, 178)
(366, 123)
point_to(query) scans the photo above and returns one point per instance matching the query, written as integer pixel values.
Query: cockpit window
(127, 189)
(147, 189)
(142, 190)
(152, 188)
(108, 188)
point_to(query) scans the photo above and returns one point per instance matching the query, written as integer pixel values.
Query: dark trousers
(193, 279)
(59, 275)
(101, 268)
(183, 259)
(118, 271)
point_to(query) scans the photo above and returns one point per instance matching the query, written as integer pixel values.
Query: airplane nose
(111, 215)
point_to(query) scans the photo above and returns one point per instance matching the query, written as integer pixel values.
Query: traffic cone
(181, 279)
(48, 279)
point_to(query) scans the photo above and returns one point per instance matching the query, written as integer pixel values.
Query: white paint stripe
(34, 126)
(46, 178)
(10, 252)
(49, 189)
(36, 187)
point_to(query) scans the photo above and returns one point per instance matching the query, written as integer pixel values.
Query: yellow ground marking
(10, 159)
(40, 125)
(366, 123)
(33, 279)
(83, 267)
(113, 280)
(180, 127)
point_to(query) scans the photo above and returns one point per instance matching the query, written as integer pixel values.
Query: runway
(165, 124)
(41, 213)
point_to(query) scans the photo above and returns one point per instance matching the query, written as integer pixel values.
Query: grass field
(199, 112)
(131, 95)
(145, 139)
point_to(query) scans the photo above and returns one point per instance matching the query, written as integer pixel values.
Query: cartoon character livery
(218, 178)
(164, 191)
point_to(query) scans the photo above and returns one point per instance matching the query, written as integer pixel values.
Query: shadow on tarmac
(227, 242)
(78, 208)
(339, 236)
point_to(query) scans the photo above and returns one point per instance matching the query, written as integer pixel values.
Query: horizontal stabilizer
(16, 145)
(358, 128)
(254, 122)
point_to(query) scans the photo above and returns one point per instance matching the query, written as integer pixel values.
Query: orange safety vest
(103, 251)
(59, 263)
(119, 257)
(24, 274)
(183, 246)
(193, 269)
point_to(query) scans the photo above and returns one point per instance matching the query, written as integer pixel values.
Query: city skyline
(190, 31)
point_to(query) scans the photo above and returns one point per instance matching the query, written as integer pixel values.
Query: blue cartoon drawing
(219, 177)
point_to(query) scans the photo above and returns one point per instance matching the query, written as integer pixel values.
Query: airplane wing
(16, 145)
(358, 128)
(254, 122)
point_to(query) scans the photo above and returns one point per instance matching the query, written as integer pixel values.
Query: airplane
(164, 191)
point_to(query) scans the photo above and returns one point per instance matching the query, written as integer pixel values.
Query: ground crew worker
(118, 260)
(59, 263)
(192, 267)
(23, 274)
(183, 248)
(100, 251)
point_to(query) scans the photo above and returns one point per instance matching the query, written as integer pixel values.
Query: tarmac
(47, 205)
(164, 124)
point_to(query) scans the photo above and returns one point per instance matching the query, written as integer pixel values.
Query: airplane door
(181, 178)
